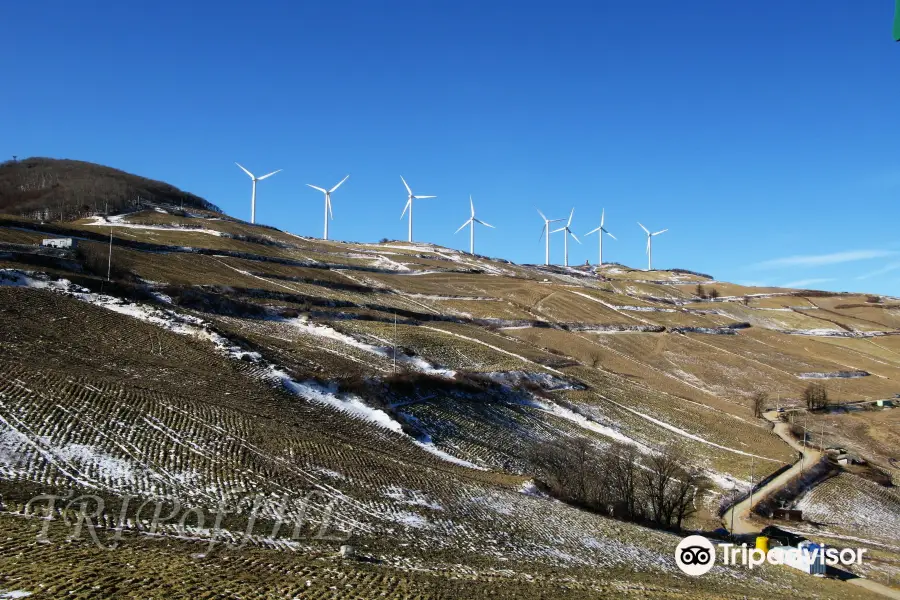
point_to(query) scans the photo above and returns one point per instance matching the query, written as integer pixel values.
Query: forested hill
(56, 189)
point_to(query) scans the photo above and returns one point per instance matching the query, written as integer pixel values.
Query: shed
(59, 242)
(787, 514)
(806, 556)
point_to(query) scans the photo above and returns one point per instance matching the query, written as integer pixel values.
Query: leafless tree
(669, 486)
(758, 403)
(815, 396)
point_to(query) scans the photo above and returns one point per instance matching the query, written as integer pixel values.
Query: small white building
(807, 557)
(59, 243)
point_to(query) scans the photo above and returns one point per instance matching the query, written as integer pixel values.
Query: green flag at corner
(897, 22)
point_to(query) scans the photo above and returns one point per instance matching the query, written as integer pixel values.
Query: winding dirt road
(740, 512)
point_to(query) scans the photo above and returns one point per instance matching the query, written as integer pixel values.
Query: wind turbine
(601, 231)
(567, 233)
(327, 202)
(471, 223)
(409, 205)
(650, 244)
(546, 229)
(253, 196)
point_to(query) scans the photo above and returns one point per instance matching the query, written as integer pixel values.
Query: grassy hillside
(399, 393)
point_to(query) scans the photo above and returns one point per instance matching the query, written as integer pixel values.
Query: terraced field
(394, 394)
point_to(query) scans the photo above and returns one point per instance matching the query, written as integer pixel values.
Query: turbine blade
(558, 230)
(543, 228)
(330, 214)
(408, 202)
(610, 235)
(659, 232)
(245, 170)
(423, 197)
(542, 214)
(592, 231)
(461, 226)
(555, 220)
(406, 184)
(644, 228)
(269, 175)
(570, 216)
(315, 187)
(602, 215)
(338, 185)
(483, 223)
(472, 206)
(575, 237)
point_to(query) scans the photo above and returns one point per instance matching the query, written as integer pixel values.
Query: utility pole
(752, 459)
(733, 499)
(395, 342)
(803, 454)
(109, 262)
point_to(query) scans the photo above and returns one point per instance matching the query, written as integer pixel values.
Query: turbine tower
(650, 245)
(253, 195)
(601, 230)
(546, 230)
(328, 202)
(566, 235)
(409, 205)
(471, 223)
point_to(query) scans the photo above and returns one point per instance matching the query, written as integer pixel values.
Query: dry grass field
(411, 386)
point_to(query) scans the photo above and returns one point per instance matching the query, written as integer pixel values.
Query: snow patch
(118, 222)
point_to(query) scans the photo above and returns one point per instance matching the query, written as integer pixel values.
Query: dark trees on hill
(51, 190)
(815, 396)
(616, 480)
(758, 403)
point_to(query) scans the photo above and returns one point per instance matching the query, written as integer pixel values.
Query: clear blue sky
(765, 135)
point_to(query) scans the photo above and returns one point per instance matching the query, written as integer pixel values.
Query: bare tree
(701, 293)
(758, 403)
(815, 396)
(669, 487)
(620, 469)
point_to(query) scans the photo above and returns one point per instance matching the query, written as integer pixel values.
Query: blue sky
(763, 134)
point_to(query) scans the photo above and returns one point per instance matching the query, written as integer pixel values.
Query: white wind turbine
(600, 231)
(566, 235)
(650, 244)
(546, 230)
(471, 223)
(253, 195)
(328, 202)
(409, 205)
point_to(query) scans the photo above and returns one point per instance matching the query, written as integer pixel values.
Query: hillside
(52, 189)
(405, 396)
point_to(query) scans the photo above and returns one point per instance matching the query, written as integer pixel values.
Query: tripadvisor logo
(695, 555)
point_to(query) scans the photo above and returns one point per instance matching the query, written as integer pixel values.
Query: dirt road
(740, 512)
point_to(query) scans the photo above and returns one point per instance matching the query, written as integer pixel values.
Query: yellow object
(762, 543)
